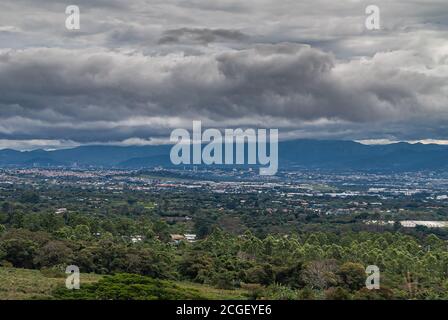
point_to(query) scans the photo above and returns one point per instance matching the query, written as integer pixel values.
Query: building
(190, 237)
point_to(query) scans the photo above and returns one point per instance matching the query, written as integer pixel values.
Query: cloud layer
(138, 69)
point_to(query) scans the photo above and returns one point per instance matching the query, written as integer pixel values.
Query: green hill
(24, 284)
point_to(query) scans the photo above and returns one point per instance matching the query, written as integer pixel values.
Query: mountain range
(294, 154)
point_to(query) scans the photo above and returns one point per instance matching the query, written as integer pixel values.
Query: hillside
(25, 284)
(293, 155)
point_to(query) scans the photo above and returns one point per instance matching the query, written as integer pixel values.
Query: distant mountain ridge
(295, 154)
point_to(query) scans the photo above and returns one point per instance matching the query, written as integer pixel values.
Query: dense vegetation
(322, 265)
(328, 263)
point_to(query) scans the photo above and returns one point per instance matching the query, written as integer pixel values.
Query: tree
(224, 280)
(161, 229)
(290, 275)
(203, 227)
(379, 294)
(195, 265)
(337, 293)
(262, 274)
(53, 253)
(320, 274)
(19, 252)
(352, 275)
(82, 232)
(29, 197)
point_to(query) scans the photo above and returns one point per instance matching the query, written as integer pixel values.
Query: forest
(317, 260)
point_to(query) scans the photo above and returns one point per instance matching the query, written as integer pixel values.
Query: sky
(137, 69)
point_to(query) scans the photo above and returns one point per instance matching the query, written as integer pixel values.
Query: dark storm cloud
(79, 94)
(137, 69)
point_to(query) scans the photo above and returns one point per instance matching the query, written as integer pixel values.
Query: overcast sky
(139, 68)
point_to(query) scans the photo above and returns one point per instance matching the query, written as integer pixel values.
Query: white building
(190, 237)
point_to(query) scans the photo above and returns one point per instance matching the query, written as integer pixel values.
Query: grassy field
(24, 284)
(214, 293)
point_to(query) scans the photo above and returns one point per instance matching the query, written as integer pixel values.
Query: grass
(214, 293)
(24, 284)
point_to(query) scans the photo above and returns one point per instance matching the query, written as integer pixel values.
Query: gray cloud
(137, 69)
(201, 36)
(80, 93)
